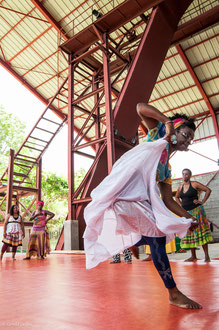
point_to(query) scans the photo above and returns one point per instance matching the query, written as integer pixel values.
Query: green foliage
(11, 135)
(55, 195)
(54, 188)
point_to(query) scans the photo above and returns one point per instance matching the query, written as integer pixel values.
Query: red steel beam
(197, 24)
(14, 26)
(195, 152)
(8, 67)
(194, 26)
(24, 14)
(39, 179)
(140, 81)
(108, 106)
(109, 22)
(71, 215)
(205, 138)
(10, 181)
(29, 44)
(215, 172)
(50, 18)
(201, 90)
(142, 75)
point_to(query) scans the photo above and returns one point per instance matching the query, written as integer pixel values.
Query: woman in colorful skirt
(13, 231)
(188, 197)
(39, 244)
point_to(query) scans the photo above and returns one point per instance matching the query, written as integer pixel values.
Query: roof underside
(31, 32)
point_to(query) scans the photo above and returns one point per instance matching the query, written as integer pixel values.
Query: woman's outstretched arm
(151, 116)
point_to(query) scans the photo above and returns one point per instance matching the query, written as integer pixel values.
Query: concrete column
(71, 235)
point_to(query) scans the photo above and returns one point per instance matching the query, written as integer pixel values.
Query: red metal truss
(198, 84)
(24, 14)
(109, 22)
(192, 26)
(16, 180)
(138, 86)
(50, 18)
(8, 67)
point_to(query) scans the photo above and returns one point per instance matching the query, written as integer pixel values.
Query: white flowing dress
(127, 205)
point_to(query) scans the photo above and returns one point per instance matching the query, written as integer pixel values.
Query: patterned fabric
(12, 239)
(13, 232)
(127, 256)
(40, 220)
(202, 234)
(164, 168)
(39, 244)
(130, 206)
(160, 259)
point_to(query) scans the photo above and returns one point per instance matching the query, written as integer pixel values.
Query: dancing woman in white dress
(126, 207)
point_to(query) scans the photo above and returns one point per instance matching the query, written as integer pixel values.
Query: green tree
(55, 194)
(12, 133)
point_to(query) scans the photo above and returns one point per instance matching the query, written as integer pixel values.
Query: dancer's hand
(194, 224)
(170, 132)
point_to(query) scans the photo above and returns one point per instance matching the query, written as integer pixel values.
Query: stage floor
(58, 293)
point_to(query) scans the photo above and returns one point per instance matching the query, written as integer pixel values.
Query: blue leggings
(160, 259)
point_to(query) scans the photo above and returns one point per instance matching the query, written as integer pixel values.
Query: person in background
(13, 232)
(127, 257)
(187, 196)
(39, 244)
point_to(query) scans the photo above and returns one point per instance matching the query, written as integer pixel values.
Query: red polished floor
(58, 293)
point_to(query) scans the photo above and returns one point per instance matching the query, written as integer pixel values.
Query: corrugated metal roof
(29, 43)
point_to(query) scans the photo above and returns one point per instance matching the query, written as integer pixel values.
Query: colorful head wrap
(40, 202)
(178, 122)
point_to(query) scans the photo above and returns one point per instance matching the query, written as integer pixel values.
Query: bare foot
(178, 299)
(149, 258)
(191, 259)
(207, 259)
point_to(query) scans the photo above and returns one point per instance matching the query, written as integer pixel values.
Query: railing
(196, 10)
(88, 16)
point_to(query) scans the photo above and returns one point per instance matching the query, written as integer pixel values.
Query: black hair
(187, 169)
(12, 210)
(189, 124)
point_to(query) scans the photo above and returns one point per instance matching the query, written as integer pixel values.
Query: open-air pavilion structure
(90, 62)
